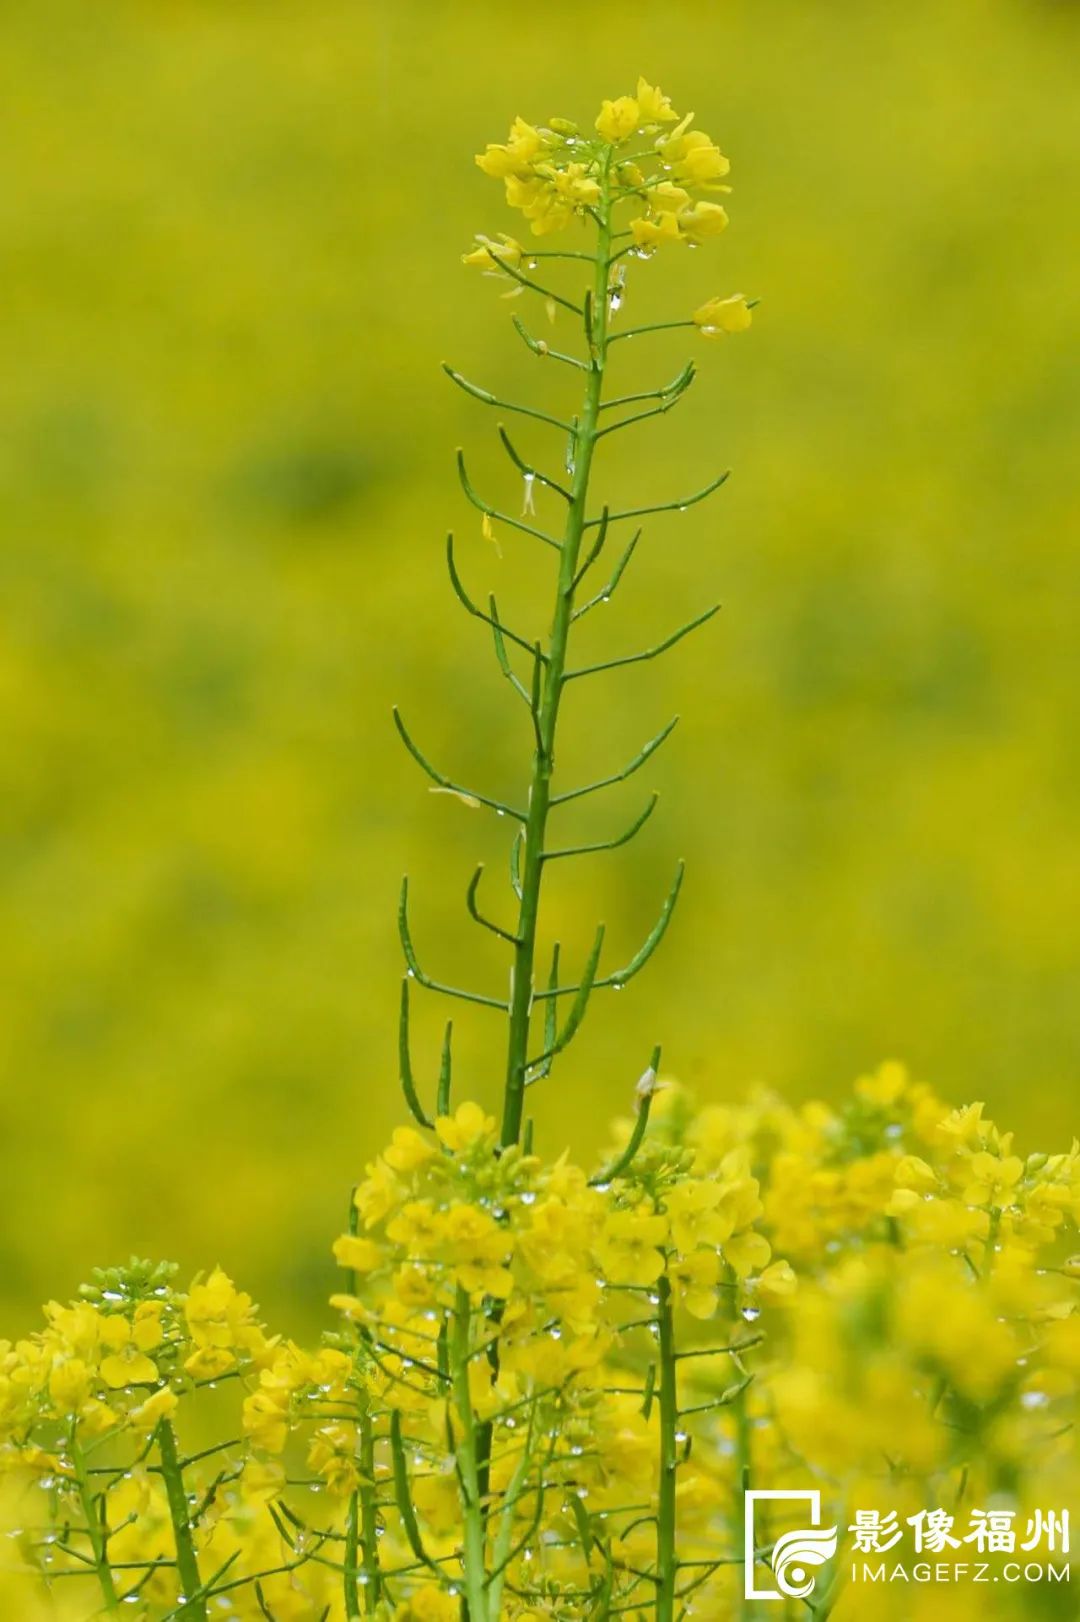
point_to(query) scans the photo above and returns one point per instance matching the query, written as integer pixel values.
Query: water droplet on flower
(751, 1313)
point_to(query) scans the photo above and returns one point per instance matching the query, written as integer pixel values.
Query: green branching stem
(596, 317)
(467, 1454)
(666, 1557)
(193, 1602)
(361, 1525)
(578, 547)
(97, 1528)
(740, 1415)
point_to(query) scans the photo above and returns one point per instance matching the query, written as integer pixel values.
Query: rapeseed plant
(549, 1390)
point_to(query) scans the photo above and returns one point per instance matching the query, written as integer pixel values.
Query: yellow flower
(262, 1480)
(162, 1404)
(413, 1288)
(627, 1249)
(477, 1249)
(128, 1344)
(356, 1254)
(991, 1180)
(965, 1128)
(740, 1202)
(78, 1326)
(95, 1418)
(332, 1455)
(551, 196)
(886, 1087)
(377, 1194)
(912, 1172)
(438, 1501)
(266, 1415)
(653, 106)
(218, 1314)
(666, 195)
(944, 1224)
(694, 1279)
(723, 315)
(417, 1228)
(626, 1445)
(209, 1362)
(460, 1131)
(702, 220)
(778, 1280)
(695, 158)
(486, 1394)
(745, 1252)
(653, 230)
(484, 258)
(523, 145)
(691, 1208)
(70, 1384)
(408, 1151)
(618, 119)
(429, 1604)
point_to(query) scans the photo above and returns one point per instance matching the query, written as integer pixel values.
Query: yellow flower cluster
(558, 173)
(116, 1361)
(89, 1413)
(642, 174)
(527, 1353)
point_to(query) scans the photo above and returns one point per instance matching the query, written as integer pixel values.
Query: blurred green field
(231, 236)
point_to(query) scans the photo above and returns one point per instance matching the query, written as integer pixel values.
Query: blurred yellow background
(231, 266)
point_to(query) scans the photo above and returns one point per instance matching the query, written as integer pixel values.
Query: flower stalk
(666, 1556)
(96, 1526)
(192, 1599)
(553, 681)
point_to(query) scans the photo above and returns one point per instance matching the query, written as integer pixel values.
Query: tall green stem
(554, 675)
(666, 1558)
(361, 1525)
(352, 1558)
(193, 1601)
(96, 1529)
(740, 1414)
(475, 1539)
